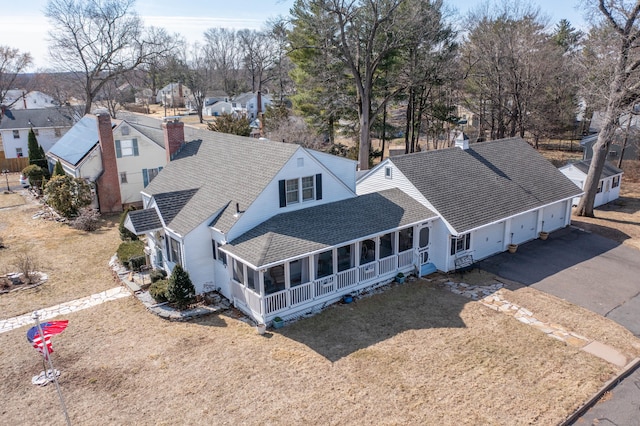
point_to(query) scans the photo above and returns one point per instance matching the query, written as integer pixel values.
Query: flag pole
(47, 356)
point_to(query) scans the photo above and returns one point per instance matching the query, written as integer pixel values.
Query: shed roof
(293, 234)
(144, 221)
(485, 183)
(608, 170)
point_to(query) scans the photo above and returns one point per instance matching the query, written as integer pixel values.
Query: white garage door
(554, 216)
(523, 227)
(488, 240)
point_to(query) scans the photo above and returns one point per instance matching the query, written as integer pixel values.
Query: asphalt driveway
(593, 272)
(583, 268)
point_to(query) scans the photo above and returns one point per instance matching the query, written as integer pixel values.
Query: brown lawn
(414, 354)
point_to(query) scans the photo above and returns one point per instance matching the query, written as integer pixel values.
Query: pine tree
(180, 289)
(58, 170)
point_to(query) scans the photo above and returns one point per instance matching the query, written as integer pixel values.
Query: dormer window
(292, 191)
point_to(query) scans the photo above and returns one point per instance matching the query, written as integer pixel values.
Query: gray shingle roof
(485, 183)
(223, 170)
(145, 220)
(303, 231)
(37, 118)
(170, 203)
(608, 170)
(155, 134)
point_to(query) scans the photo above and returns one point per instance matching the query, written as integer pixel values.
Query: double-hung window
(460, 243)
(174, 250)
(292, 191)
(308, 192)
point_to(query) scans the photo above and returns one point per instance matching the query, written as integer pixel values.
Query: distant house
(608, 185)
(218, 108)
(173, 95)
(21, 99)
(247, 103)
(120, 158)
(281, 230)
(49, 125)
(627, 134)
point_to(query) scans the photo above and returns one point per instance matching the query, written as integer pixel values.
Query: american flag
(48, 330)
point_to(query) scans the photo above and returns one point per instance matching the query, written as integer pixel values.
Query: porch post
(263, 307)
(287, 283)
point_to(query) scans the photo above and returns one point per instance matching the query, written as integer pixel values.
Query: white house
(608, 185)
(173, 95)
(218, 108)
(48, 124)
(279, 230)
(247, 103)
(486, 196)
(118, 157)
(22, 99)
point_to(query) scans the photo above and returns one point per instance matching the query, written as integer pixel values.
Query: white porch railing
(324, 286)
(346, 278)
(368, 271)
(387, 265)
(405, 258)
(275, 302)
(253, 300)
(301, 293)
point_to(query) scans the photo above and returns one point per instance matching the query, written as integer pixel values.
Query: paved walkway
(491, 297)
(65, 308)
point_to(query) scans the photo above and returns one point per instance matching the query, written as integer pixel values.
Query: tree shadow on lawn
(537, 259)
(343, 329)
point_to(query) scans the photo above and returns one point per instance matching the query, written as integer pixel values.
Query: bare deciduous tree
(97, 40)
(12, 62)
(619, 63)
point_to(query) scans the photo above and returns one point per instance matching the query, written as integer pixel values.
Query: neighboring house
(49, 125)
(279, 230)
(218, 108)
(247, 103)
(608, 185)
(173, 95)
(631, 151)
(118, 157)
(486, 196)
(22, 99)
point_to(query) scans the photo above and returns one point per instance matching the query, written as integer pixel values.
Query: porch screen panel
(345, 258)
(298, 272)
(324, 264)
(274, 279)
(387, 242)
(238, 271)
(405, 239)
(367, 251)
(252, 278)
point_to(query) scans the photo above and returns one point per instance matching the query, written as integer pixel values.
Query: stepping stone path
(491, 297)
(65, 308)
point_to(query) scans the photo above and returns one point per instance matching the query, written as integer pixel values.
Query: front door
(423, 245)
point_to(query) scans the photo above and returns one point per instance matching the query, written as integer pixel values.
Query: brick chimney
(173, 137)
(108, 184)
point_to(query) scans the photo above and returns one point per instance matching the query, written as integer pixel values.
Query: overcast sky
(25, 27)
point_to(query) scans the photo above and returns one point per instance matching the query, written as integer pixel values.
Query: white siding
(343, 168)
(267, 204)
(487, 241)
(578, 177)
(91, 166)
(198, 256)
(439, 240)
(150, 156)
(46, 139)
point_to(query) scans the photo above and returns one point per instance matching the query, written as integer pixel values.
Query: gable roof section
(486, 183)
(36, 118)
(297, 233)
(143, 221)
(608, 170)
(78, 141)
(156, 135)
(170, 203)
(222, 169)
